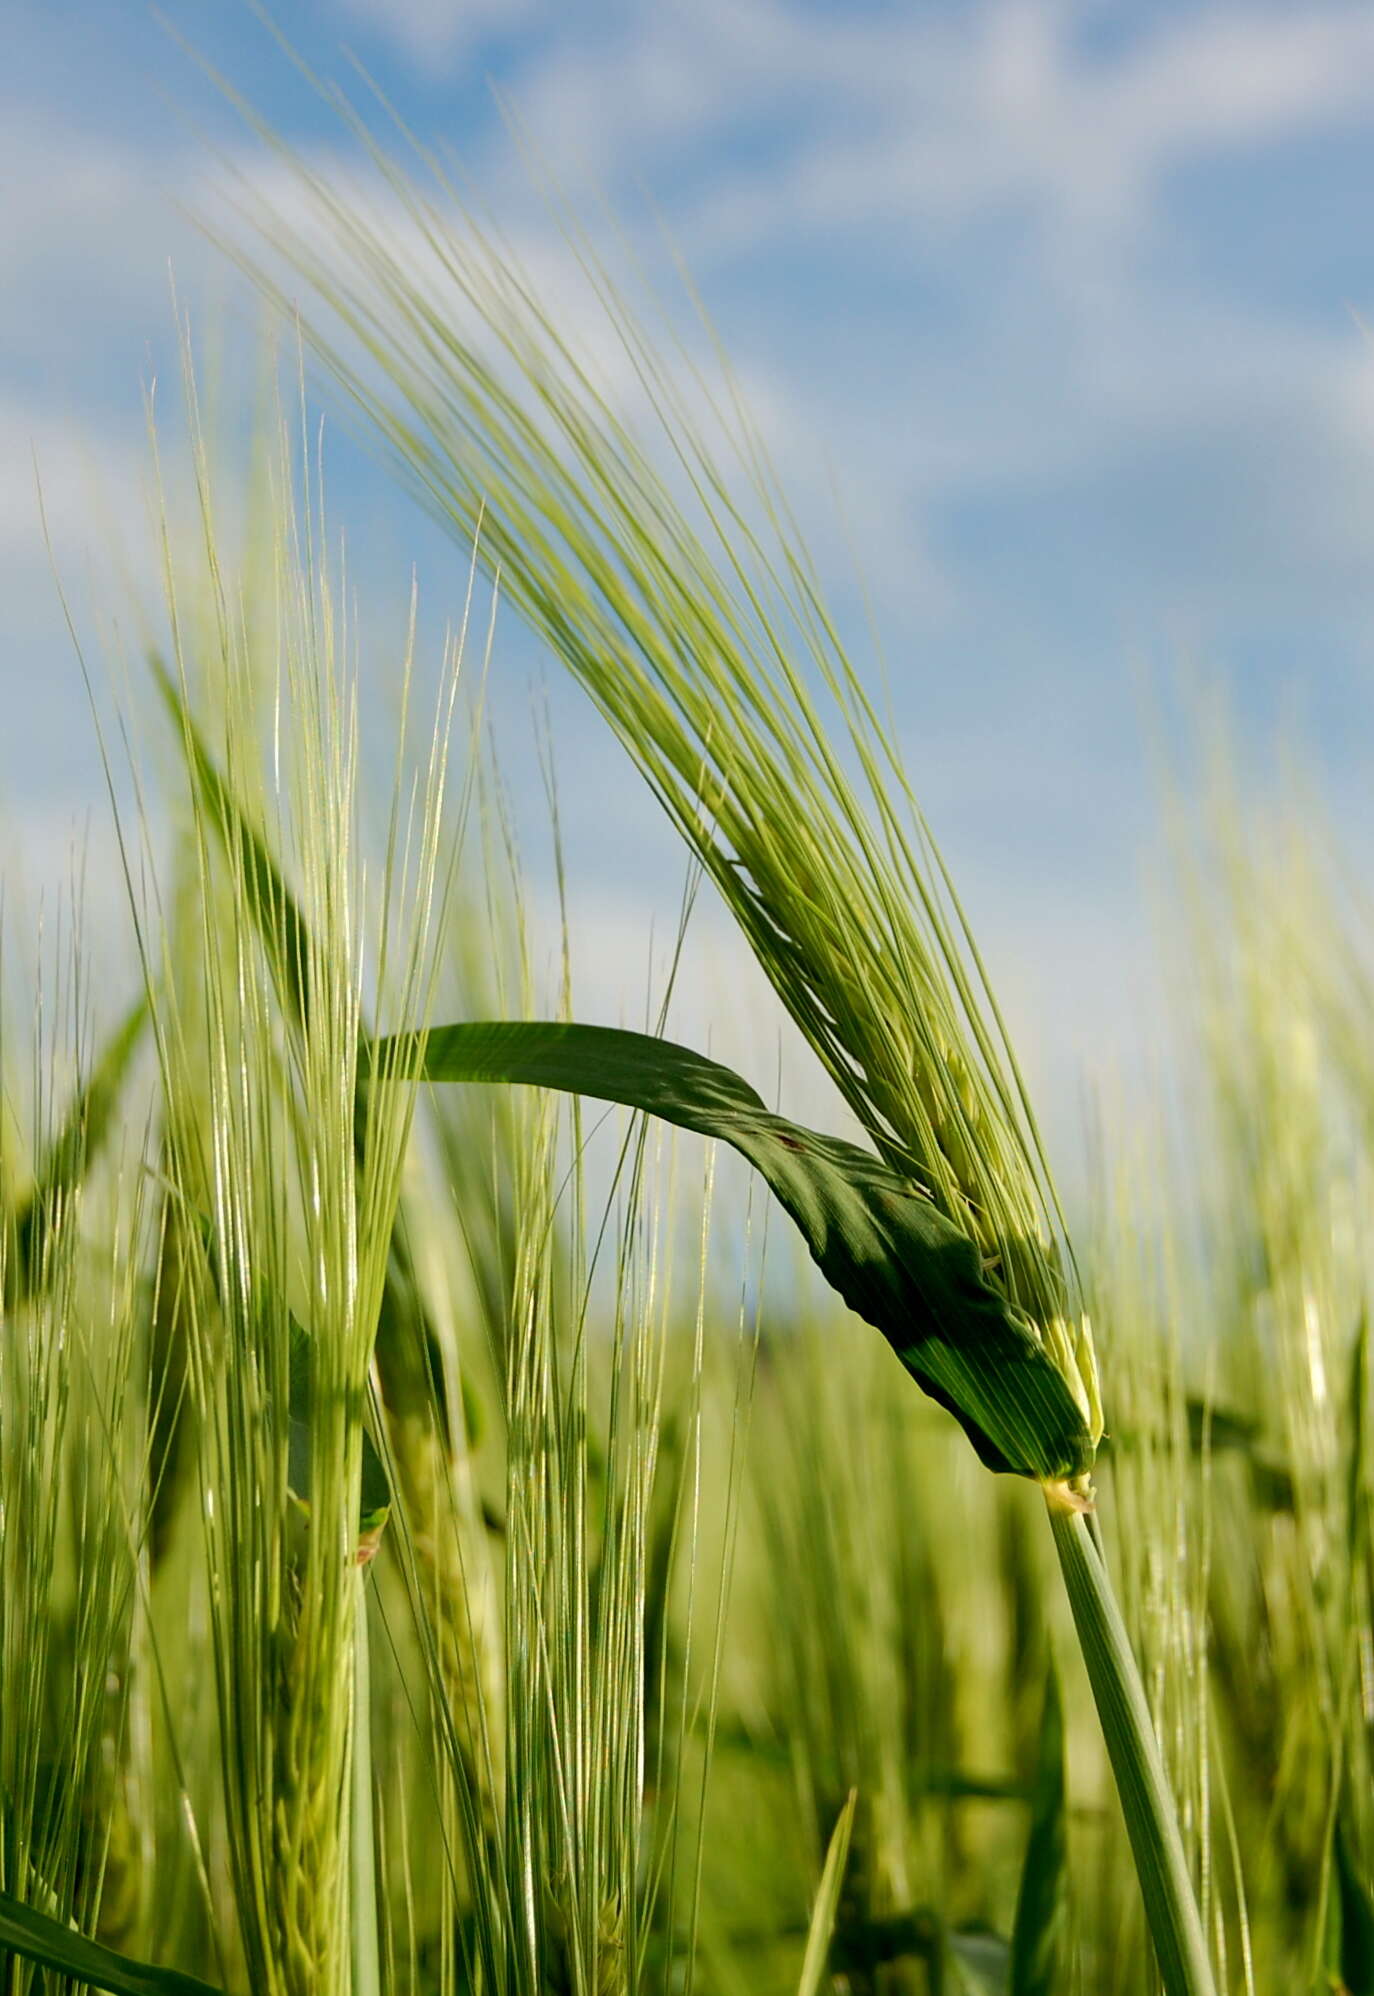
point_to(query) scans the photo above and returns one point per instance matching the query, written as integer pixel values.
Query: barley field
(433, 1558)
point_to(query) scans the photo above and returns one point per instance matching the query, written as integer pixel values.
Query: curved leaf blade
(275, 910)
(814, 1962)
(48, 1942)
(1037, 1941)
(65, 1162)
(894, 1259)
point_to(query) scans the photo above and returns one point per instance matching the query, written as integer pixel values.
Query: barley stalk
(287, 1175)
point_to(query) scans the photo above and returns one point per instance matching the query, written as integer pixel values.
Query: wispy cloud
(959, 254)
(91, 228)
(939, 117)
(440, 32)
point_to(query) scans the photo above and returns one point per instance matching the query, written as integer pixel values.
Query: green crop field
(432, 1558)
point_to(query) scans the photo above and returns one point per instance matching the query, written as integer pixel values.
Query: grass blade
(274, 909)
(1037, 1941)
(35, 1937)
(827, 1902)
(67, 1159)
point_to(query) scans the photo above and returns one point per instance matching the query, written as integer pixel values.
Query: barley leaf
(66, 1160)
(827, 1902)
(34, 1937)
(876, 1237)
(276, 914)
(1037, 1941)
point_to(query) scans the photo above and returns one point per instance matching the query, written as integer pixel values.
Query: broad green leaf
(280, 923)
(1037, 1941)
(877, 1239)
(817, 1954)
(64, 1164)
(37, 1938)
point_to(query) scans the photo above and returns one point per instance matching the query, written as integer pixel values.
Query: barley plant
(707, 646)
(432, 1560)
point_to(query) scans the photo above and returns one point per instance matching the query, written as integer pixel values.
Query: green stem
(367, 1964)
(1146, 1800)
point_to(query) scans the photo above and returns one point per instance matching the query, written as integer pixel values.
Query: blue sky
(1067, 300)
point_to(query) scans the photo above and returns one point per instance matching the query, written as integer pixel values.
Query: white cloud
(79, 472)
(901, 118)
(534, 243)
(923, 121)
(1079, 352)
(90, 234)
(440, 32)
(1064, 350)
